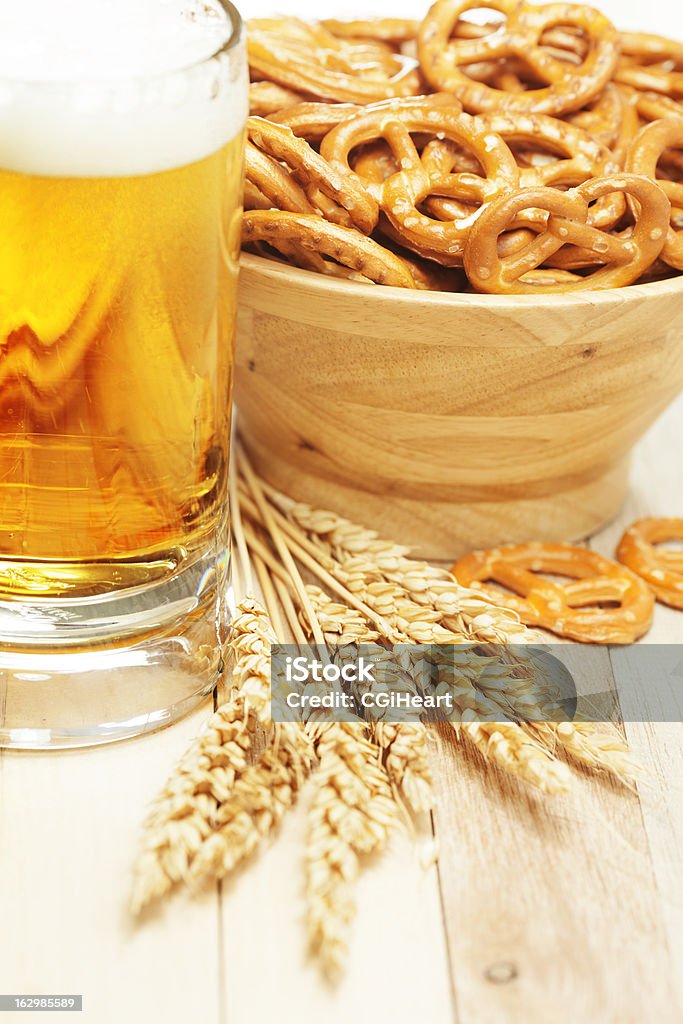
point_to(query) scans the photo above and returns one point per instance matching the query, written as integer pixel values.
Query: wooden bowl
(452, 421)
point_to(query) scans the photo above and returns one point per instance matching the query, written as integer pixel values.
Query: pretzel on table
(443, 56)
(401, 194)
(661, 569)
(647, 149)
(313, 234)
(572, 610)
(623, 257)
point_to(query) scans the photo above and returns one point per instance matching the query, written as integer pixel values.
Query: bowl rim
(280, 273)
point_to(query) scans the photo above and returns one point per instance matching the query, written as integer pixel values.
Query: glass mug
(120, 200)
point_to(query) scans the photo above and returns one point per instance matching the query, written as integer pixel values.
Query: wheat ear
(592, 745)
(182, 816)
(352, 814)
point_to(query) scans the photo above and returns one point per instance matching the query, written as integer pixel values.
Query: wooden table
(541, 910)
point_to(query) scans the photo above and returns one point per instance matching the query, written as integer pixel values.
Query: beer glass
(121, 152)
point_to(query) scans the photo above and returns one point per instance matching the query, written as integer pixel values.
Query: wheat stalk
(419, 624)
(460, 609)
(429, 606)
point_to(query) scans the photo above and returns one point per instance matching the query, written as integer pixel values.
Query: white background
(662, 16)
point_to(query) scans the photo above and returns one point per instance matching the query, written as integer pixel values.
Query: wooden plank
(658, 490)
(70, 824)
(551, 906)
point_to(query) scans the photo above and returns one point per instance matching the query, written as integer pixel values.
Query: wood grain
(452, 421)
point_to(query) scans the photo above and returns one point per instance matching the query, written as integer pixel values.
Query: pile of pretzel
(603, 602)
(541, 151)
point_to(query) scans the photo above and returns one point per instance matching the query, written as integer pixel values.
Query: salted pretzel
(583, 157)
(401, 195)
(269, 185)
(651, 63)
(326, 187)
(313, 234)
(661, 569)
(623, 257)
(324, 73)
(443, 58)
(574, 609)
(312, 121)
(648, 147)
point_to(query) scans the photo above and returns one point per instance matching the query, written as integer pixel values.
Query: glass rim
(235, 37)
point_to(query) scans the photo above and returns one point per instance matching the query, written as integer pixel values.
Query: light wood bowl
(452, 421)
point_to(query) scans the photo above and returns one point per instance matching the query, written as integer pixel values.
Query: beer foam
(117, 87)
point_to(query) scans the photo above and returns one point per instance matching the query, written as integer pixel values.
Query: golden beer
(121, 151)
(116, 340)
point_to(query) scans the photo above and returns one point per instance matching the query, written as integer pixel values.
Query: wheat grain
(259, 799)
(351, 815)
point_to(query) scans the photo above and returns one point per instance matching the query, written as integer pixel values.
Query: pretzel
(572, 609)
(646, 151)
(270, 185)
(401, 194)
(343, 245)
(624, 256)
(651, 106)
(651, 63)
(570, 87)
(386, 30)
(351, 56)
(312, 121)
(584, 158)
(611, 119)
(662, 570)
(305, 68)
(265, 98)
(318, 179)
